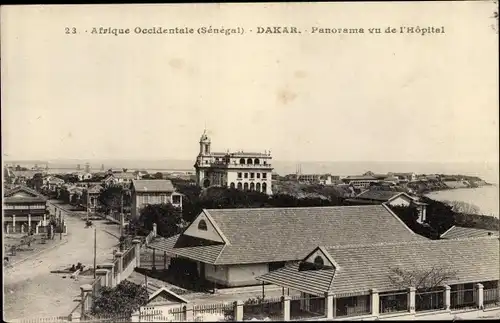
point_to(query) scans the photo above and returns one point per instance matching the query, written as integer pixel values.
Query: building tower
(78, 167)
(204, 144)
(102, 167)
(203, 162)
(87, 168)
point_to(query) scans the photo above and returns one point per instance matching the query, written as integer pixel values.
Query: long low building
(380, 278)
(231, 247)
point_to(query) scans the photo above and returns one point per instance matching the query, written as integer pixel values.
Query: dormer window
(318, 261)
(202, 225)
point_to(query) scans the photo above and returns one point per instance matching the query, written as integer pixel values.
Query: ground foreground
(30, 290)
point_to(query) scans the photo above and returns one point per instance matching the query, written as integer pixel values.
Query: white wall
(400, 201)
(211, 234)
(240, 275)
(218, 274)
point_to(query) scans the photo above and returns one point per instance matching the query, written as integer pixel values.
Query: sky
(308, 97)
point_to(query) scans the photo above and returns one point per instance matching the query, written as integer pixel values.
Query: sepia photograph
(209, 162)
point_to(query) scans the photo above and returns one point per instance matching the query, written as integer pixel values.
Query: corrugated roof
(456, 232)
(153, 185)
(366, 267)
(261, 235)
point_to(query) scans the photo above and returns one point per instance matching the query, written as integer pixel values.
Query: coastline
(484, 197)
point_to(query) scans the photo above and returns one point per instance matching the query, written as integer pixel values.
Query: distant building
(241, 170)
(391, 198)
(361, 182)
(119, 178)
(93, 196)
(23, 210)
(154, 191)
(83, 176)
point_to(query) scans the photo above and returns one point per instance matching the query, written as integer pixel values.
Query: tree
(167, 217)
(124, 170)
(64, 195)
(463, 207)
(111, 198)
(158, 175)
(423, 280)
(120, 301)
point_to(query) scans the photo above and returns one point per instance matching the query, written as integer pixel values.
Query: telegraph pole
(95, 250)
(87, 204)
(121, 215)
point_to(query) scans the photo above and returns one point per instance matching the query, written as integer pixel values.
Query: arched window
(240, 186)
(232, 185)
(202, 225)
(264, 187)
(252, 186)
(318, 261)
(249, 161)
(256, 161)
(257, 187)
(242, 161)
(245, 187)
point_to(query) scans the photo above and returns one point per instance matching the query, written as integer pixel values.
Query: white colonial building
(240, 170)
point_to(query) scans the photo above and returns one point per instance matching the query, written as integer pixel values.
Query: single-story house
(378, 277)
(231, 247)
(161, 303)
(456, 232)
(392, 198)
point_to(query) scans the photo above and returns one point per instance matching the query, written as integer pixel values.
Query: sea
(485, 197)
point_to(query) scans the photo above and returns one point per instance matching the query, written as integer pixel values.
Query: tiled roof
(153, 185)
(35, 196)
(377, 195)
(260, 235)
(366, 267)
(27, 173)
(124, 175)
(461, 232)
(95, 189)
(181, 246)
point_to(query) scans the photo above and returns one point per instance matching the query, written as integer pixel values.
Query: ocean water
(486, 198)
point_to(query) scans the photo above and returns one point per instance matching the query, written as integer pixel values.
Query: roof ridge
(353, 246)
(298, 208)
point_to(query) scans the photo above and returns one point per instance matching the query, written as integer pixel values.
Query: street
(32, 291)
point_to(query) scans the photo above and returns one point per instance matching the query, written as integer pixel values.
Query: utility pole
(121, 215)
(95, 250)
(87, 204)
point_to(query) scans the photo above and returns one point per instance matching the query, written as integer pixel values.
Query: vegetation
(111, 198)
(120, 301)
(440, 217)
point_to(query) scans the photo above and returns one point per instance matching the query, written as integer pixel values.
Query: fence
(157, 259)
(306, 307)
(116, 268)
(213, 312)
(128, 256)
(432, 300)
(463, 299)
(262, 308)
(393, 302)
(353, 305)
(491, 297)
